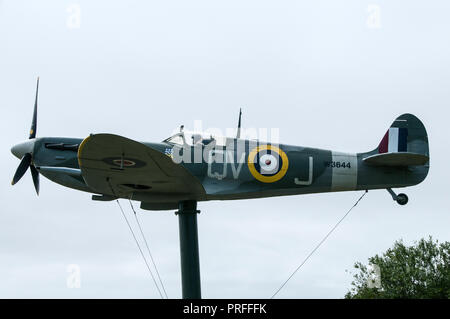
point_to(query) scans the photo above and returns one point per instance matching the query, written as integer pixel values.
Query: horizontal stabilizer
(397, 159)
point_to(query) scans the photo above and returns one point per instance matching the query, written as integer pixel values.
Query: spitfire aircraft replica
(188, 167)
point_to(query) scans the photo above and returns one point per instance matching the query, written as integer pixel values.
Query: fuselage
(242, 169)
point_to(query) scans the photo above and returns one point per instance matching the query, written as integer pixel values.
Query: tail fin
(404, 144)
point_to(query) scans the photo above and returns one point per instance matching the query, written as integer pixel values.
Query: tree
(418, 271)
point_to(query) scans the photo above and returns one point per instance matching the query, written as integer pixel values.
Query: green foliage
(418, 271)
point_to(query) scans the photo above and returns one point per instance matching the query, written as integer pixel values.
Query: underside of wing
(120, 167)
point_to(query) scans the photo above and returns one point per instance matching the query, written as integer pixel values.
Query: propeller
(27, 159)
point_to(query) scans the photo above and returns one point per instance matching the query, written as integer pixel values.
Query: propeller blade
(21, 170)
(34, 121)
(35, 174)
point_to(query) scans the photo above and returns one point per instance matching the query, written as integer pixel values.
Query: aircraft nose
(21, 149)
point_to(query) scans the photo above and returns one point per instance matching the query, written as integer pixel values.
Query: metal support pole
(190, 261)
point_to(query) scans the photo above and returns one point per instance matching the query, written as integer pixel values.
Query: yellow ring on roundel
(258, 175)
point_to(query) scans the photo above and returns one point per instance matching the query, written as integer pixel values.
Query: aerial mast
(238, 135)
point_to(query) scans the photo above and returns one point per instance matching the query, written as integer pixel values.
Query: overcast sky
(328, 74)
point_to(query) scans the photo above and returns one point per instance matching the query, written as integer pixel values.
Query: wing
(117, 166)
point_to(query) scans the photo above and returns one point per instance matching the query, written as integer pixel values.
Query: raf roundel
(124, 162)
(268, 163)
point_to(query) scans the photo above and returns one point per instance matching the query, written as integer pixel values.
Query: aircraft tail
(404, 144)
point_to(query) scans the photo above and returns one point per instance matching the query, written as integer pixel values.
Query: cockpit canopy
(195, 138)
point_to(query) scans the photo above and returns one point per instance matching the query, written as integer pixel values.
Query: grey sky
(315, 70)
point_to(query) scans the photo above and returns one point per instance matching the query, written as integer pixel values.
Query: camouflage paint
(305, 170)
